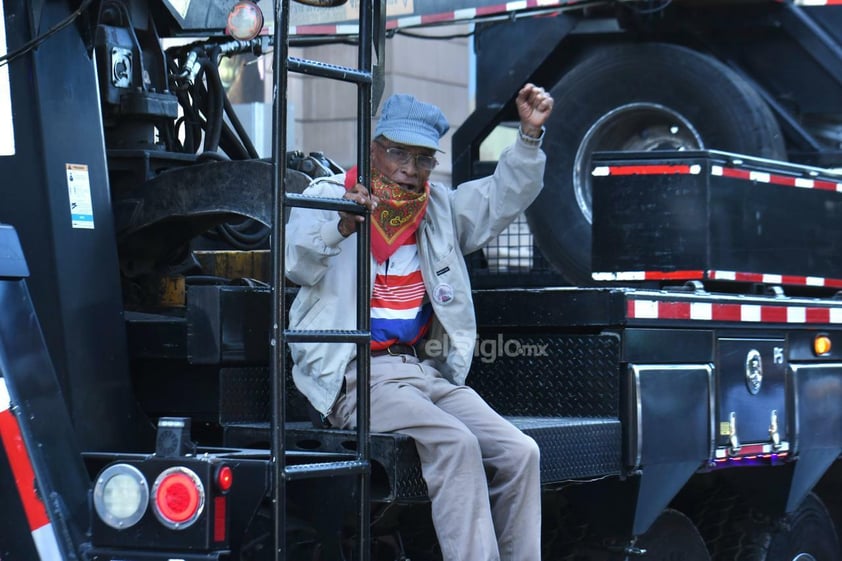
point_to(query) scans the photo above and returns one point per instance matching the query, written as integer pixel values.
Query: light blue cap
(405, 120)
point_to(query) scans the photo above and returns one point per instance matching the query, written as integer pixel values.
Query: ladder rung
(326, 336)
(310, 471)
(323, 203)
(325, 70)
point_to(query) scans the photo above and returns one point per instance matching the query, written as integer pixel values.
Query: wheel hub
(635, 127)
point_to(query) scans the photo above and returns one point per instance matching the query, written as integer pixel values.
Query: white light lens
(121, 496)
(245, 21)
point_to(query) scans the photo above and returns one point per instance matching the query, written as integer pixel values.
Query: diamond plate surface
(534, 375)
(395, 472)
(245, 396)
(549, 375)
(396, 469)
(574, 448)
(570, 449)
(562, 390)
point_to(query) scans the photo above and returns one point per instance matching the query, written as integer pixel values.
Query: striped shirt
(400, 309)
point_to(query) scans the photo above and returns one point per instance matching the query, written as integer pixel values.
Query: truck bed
(569, 349)
(571, 448)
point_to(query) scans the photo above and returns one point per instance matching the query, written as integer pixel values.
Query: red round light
(224, 478)
(178, 497)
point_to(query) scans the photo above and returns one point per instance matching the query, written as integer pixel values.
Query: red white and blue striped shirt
(400, 309)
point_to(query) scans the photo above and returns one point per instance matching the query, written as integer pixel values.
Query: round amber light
(821, 345)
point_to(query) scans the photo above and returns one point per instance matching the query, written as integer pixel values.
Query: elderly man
(482, 473)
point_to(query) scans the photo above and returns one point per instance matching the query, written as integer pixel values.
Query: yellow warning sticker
(79, 191)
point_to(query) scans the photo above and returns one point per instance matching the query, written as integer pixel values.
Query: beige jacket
(457, 222)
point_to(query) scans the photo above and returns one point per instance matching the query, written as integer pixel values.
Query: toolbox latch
(733, 440)
(774, 435)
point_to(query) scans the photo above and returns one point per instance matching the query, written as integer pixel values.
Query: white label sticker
(79, 189)
(7, 130)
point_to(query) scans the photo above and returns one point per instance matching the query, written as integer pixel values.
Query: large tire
(636, 98)
(740, 532)
(672, 536)
(808, 534)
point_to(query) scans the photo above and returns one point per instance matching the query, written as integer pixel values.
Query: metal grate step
(317, 68)
(323, 203)
(326, 336)
(326, 469)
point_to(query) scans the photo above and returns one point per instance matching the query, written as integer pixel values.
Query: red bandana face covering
(398, 213)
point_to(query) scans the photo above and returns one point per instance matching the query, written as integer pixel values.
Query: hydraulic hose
(215, 104)
(240, 130)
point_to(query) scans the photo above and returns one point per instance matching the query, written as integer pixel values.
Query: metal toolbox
(716, 216)
(751, 394)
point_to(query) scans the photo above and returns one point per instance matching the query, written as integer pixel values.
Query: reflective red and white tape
(639, 308)
(36, 514)
(453, 16)
(818, 2)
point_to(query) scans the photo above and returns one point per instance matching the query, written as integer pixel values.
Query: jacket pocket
(445, 267)
(303, 315)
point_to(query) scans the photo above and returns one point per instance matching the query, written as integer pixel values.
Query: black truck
(672, 342)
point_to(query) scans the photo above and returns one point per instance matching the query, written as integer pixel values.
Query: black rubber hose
(205, 92)
(240, 130)
(215, 105)
(237, 236)
(231, 145)
(192, 121)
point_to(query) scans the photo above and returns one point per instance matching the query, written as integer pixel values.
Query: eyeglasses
(402, 157)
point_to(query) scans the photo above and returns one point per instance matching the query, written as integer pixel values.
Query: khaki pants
(482, 472)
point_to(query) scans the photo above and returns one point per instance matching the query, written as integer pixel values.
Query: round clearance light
(121, 496)
(821, 345)
(245, 21)
(178, 498)
(224, 478)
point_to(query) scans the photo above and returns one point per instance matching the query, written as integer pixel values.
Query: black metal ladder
(371, 28)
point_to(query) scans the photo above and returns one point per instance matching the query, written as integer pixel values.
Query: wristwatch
(531, 140)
